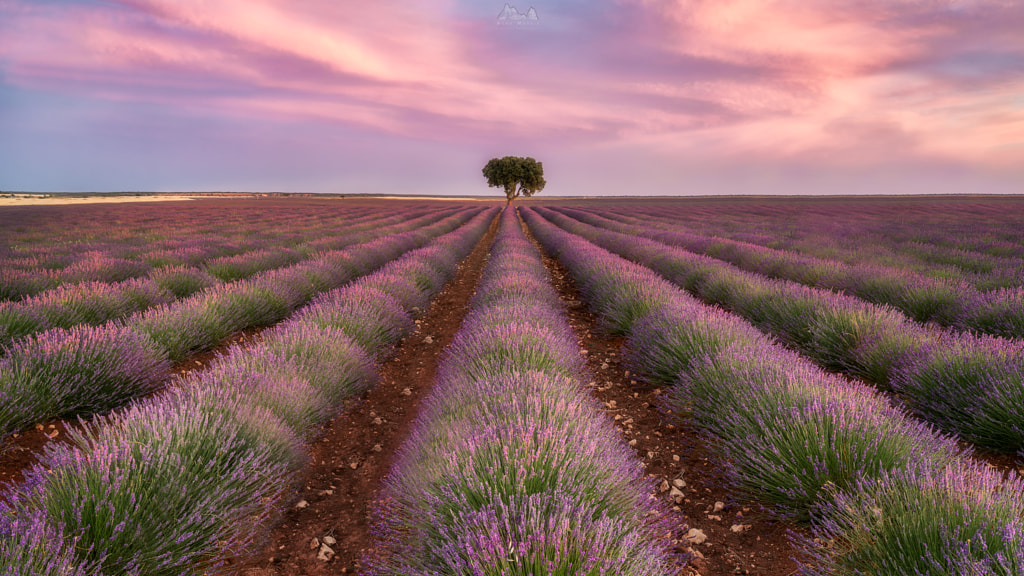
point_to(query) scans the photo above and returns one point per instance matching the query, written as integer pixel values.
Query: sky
(625, 97)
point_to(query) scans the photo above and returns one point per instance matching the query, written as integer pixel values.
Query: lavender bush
(31, 547)
(17, 322)
(276, 386)
(163, 489)
(513, 286)
(490, 351)
(680, 335)
(182, 329)
(786, 430)
(84, 369)
(370, 316)
(962, 519)
(326, 358)
(231, 268)
(864, 341)
(72, 304)
(17, 284)
(103, 268)
(1000, 313)
(971, 387)
(402, 288)
(182, 281)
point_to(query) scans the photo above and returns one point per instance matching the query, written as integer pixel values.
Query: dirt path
(676, 452)
(351, 458)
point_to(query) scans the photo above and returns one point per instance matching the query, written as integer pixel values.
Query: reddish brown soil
(354, 453)
(23, 450)
(1008, 464)
(671, 449)
(202, 360)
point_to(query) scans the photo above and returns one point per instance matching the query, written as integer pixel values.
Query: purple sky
(627, 97)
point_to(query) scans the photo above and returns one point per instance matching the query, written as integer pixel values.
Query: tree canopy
(518, 176)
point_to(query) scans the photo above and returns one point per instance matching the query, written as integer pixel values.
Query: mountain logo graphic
(510, 16)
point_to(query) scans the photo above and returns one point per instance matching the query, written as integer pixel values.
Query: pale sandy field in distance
(31, 199)
(55, 199)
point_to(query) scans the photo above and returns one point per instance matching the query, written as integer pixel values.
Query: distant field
(52, 200)
(19, 199)
(635, 386)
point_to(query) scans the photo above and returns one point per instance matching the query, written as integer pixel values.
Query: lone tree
(516, 175)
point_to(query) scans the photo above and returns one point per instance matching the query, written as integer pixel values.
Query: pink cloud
(825, 81)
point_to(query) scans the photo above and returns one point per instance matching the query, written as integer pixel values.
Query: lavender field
(851, 372)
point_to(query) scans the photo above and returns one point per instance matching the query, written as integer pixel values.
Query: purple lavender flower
(326, 358)
(29, 546)
(482, 352)
(168, 484)
(964, 518)
(182, 281)
(680, 335)
(95, 266)
(999, 312)
(970, 386)
(81, 370)
(276, 385)
(17, 284)
(96, 302)
(17, 321)
(231, 268)
(182, 328)
(368, 315)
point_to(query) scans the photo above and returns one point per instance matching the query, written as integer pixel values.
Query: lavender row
(741, 385)
(228, 250)
(179, 483)
(976, 241)
(205, 319)
(886, 495)
(55, 238)
(948, 302)
(94, 303)
(89, 369)
(112, 249)
(968, 385)
(510, 469)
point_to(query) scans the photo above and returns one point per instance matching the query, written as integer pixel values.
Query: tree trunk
(513, 195)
